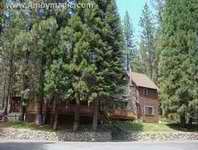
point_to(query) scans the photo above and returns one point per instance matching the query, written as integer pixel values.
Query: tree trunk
(51, 120)
(76, 116)
(9, 83)
(190, 122)
(25, 83)
(42, 77)
(45, 113)
(55, 125)
(51, 113)
(6, 105)
(39, 119)
(183, 121)
(4, 93)
(55, 115)
(23, 110)
(95, 115)
(8, 96)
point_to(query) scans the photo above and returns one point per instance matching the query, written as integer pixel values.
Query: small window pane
(149, 110)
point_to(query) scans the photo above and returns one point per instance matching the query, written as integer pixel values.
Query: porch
(121, 114)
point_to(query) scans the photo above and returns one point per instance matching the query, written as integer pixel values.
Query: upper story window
(149, 92)
(149, 110)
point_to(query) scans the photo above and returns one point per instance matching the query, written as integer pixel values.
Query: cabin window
(149, 92)
(149, 110)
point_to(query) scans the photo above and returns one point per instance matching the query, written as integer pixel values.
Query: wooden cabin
(146, 97)
(65, 112)
(140, 101)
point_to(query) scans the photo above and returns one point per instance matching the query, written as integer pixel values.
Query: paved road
(100, 146)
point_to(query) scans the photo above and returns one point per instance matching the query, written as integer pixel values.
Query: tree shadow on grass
(178, 127)
(3, 125)
(123, 130)
(1, 132)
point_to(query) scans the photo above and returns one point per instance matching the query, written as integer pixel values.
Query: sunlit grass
(25, 125)
(156, 127)
(152, 127)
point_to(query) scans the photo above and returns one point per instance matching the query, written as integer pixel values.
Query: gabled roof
(142, 80)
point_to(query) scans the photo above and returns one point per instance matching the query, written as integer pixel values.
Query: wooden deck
(122, 115)
(62, 109)
(83, 109)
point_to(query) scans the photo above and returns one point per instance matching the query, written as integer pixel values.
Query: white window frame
(147, 92)
(153, 110)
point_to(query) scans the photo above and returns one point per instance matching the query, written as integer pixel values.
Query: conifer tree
(10, 52)
(97, 43)
(147, 49)
(111, 45)
(178, 60)
(130, 41)
(45, 26)
(76, 55)
(1, 15)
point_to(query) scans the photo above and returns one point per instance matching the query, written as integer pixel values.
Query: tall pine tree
(147, 48)
(96, 55)
(178, 60)
(130, 41)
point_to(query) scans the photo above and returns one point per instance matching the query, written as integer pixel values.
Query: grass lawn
(25, 125)
(124, 125)
(33, 126)
(152, 127)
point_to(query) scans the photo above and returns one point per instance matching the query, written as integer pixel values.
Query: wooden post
(55, 125)
(76, 116)
(95, 115)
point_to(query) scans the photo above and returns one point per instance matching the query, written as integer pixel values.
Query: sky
(134, 7)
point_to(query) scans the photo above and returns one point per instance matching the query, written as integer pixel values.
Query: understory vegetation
(73, 55)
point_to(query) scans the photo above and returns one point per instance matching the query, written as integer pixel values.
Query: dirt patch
(33, 134)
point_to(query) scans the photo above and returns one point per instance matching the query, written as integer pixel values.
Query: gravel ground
(154, 136)
(27, 134)
(63, 135)
(162, 136)
(66, 135)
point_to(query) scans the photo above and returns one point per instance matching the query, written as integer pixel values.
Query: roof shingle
(141, 80)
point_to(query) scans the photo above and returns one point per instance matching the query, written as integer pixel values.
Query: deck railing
(62, 109)
(123, 114)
